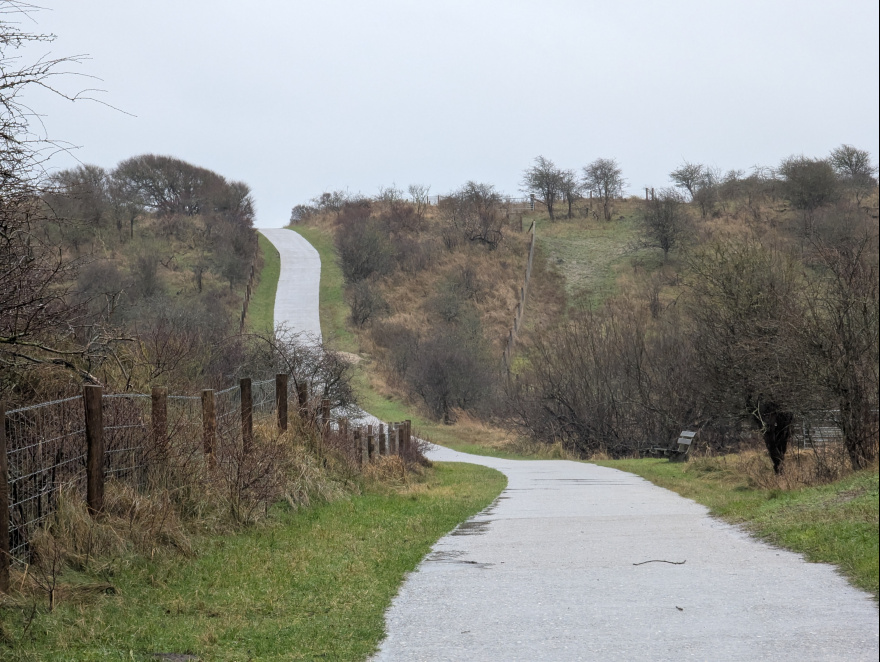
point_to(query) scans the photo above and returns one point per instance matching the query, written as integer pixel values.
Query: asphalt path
(579, 562)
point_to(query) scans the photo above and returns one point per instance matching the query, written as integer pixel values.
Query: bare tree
(419, 195)
(545, 181)
(700, 181)
(839, 333)
(688, 176)
(742, 302)
(570, 188)
(475, 211)
(35, 314)
(855, 169)
(808, 183)
(604, 178)
(665, 222)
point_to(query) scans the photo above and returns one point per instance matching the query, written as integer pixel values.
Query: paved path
(296, 303)
(547, 573)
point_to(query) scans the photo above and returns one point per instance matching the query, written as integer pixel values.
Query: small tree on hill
(808, 183)
(570, 188)
(665, 221)
(545, 181)
(604, 178)
(855, 170)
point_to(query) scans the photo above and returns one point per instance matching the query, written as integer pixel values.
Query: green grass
(334, 309)
(309, 585)
(261, 311)
(588, 253)
(836, 523)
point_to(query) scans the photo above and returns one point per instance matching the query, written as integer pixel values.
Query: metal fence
(46, 453)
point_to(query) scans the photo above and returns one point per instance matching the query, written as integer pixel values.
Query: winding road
(579, 562)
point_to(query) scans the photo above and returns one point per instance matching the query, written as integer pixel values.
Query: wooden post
(371, 443)
(281, 400)
(302, 398)
(325, 415)
(343, 427)
(93, 406)
(360, 443)
(247, 414)
(209, 423)
(5, 558)
(407, 435)
(383, 443)
(159, 397)
(400, 448)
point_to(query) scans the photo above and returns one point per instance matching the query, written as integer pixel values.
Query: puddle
(444, 556)
(471, 528)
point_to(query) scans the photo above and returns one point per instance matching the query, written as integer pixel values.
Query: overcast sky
(296, 98)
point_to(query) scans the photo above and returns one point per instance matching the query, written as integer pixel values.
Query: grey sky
(299, 97)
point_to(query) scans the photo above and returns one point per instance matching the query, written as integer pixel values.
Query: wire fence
(46, 452)
(72, 446)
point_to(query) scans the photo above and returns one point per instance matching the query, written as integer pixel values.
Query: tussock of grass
(833, 523)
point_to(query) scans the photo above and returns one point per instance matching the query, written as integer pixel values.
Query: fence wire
(46, 452)
(47, 447)
(126, 437)
(263, 394)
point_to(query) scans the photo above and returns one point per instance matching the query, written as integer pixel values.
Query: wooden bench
(678, 452)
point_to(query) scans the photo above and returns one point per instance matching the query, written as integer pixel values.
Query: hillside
(150, 264)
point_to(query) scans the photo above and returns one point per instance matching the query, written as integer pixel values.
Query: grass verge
(308, 584)
(261, 311)
(835, 523)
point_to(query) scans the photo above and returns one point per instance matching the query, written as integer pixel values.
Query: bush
(366, 302)
(364, 251)
(401, 343)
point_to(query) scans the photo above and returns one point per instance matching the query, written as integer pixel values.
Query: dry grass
(188, 500)
(803, 467)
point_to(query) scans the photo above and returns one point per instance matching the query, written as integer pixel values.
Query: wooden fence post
(360, 445)
(209, 423)
(5, 558)
(383, 444)
(281, 400)
(159, 397)
(93, 403)
(247, 414)
(325, 415)
(407, 424)
(302, 399)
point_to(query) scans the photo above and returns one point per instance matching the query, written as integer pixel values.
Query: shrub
(366, 302)
(364, 251)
